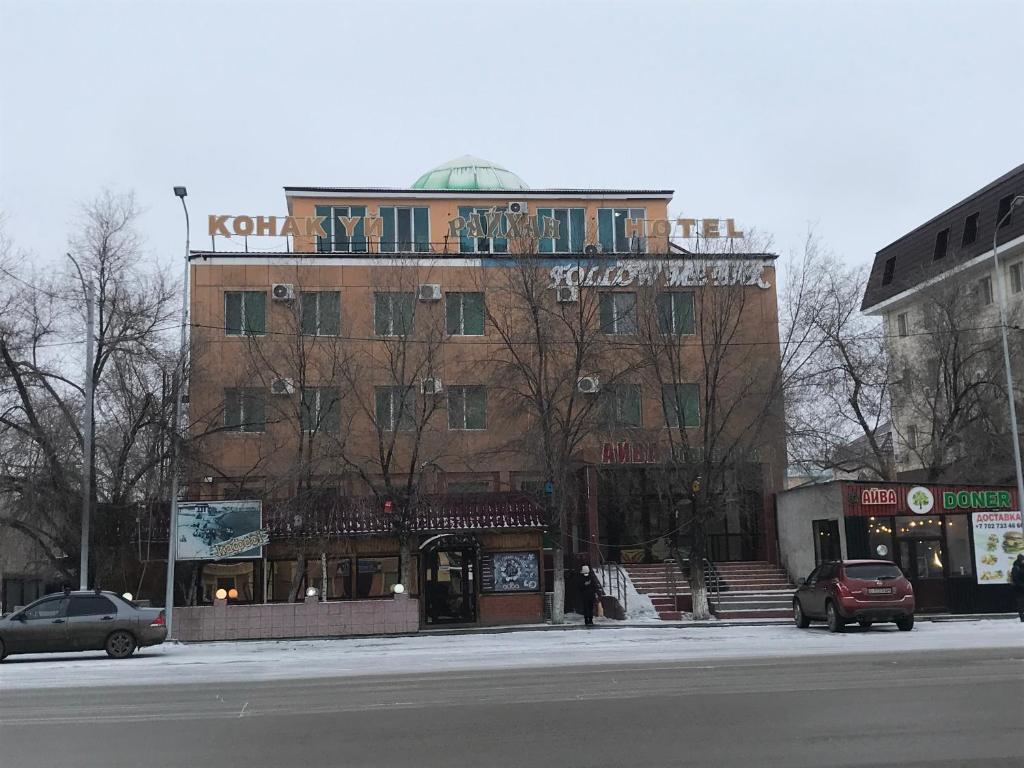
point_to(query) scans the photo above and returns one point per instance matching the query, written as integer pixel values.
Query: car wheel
(798, 616)
(905, 624)
(865, 622)
(120, 645)
(835, 623)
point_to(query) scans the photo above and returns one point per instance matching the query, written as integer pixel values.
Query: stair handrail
(616, 579)
(671, 580)
(709, 568)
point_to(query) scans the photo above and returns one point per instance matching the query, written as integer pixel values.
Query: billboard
(998, 539)
(220, 530)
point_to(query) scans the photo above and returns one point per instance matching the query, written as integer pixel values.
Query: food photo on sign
(220, 530)
(998, 539)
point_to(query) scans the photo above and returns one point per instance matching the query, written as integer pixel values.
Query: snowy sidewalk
(311, 659)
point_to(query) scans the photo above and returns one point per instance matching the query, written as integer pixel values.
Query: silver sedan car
(82, 621)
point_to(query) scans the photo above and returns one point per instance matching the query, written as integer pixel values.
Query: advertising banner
(998, 539)
(509, 572)
(220, 530)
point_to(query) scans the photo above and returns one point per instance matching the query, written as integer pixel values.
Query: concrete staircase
(747, 590)
(753, 590)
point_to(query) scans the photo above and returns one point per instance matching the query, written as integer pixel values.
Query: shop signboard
(998, 539)
(220, 530)
(509, 572)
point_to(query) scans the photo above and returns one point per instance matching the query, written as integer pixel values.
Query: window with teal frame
(468, 244)
(405, 230)
(571, 230)
(338, 240)
(611, 230)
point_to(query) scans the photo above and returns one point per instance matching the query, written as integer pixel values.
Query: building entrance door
(449, 586)
(921, 560)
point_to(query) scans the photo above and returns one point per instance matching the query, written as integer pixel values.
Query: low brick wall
(508, 608)
(342, 618)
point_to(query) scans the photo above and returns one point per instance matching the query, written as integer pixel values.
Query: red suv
(864, 591)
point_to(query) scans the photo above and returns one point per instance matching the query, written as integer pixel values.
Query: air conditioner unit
(429, 292)
(588, 385)
(430, 386)
(282, 292)
(566, 294)
(517, 206)
(282, 387)
(590, 250)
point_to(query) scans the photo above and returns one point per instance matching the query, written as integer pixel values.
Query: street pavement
(924, 708)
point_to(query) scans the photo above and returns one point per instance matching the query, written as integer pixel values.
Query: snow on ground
(638, 607)
(298, 659)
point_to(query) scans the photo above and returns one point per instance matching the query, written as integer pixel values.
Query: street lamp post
(1018, 200)
(87, 429)
(179, 383)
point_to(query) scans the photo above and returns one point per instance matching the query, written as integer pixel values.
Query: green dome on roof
(469, 173)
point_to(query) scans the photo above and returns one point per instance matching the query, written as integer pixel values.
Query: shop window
(405, 229)
(970, 230)
(245, 313)
(320, 313)
(571, 230)
(918, 525)
(234, 578)
(245, 410)
(339, 578)
(675, 313)
(618, 312)
(481, 220)
(880, 538)
(320, 409)
(20, 591)
(467, 407)
(611, 230)
(623, 402)
(395, 408)
(681, 404)
(281, 576)
(393, 313)
(338, 239)
(468, 486)
(464, 314)
(958, 545)
(827, 545)
(375, 576)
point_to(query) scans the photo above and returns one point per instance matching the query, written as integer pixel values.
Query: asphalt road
(963, 708)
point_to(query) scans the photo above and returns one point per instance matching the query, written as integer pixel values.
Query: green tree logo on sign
(920, 500)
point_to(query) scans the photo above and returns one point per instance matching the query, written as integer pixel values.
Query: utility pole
(90, 302)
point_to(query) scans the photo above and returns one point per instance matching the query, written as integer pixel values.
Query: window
(890, 270)
(320, 409)
(872, 571)
(970, 230)
(338, 238)
(467, 407)
(680, 402)
(320, 313)
(827, 545)
(464, 314)
(468, 486)
(91, 605)
(482, 220)
(405, 229)
(611, 230)
(245, 312)
(245, 410)
(1016, 275)
(984, 291)
(395, 408)
(624, 409)
(46, 610)
(571, 230)
(393, 313)
(941, 243)
(675, 312)
(912, 436)
(958, 543)
(1004, 208)
(618, 312)
(375, 576)
(902, 324)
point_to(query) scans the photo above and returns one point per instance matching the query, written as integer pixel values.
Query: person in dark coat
(590, 590)
(1017, 578)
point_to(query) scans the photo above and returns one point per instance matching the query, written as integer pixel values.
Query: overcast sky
(861, 118)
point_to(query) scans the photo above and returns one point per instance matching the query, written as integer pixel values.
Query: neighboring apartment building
(937, 291)
(381, 348)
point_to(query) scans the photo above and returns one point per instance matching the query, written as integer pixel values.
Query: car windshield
(873, 571)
